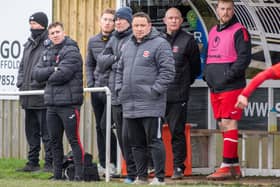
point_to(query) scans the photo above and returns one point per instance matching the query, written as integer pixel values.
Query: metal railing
(108, 117)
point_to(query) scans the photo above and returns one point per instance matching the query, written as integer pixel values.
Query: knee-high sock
(230, 149)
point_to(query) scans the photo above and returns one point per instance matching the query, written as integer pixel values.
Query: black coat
(33, 50)
(95, 45)
(187, 65)
(64, 86)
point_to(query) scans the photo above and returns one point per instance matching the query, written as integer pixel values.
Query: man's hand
(242, 102)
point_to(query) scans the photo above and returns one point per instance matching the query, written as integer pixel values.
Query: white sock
(223, 165)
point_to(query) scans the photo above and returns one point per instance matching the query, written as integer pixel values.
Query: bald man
(187, 66)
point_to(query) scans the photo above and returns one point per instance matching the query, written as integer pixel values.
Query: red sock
(230, 151)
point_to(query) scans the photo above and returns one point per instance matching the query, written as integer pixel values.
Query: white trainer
(113, 169)
(140, 182)
(156, 181)
(101, 170)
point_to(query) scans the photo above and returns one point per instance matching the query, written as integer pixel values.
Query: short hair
(174, 8)
(55, 24)
(108, 11)
(226, 1)
(142, 15)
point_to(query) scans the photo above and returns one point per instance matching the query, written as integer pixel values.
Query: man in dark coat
(61, 68)
(187, 67)
(98, 78)
(144, 71)
(35, 110)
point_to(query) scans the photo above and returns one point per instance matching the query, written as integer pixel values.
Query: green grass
(9, 177)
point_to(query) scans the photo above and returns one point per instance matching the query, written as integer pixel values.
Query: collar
(232, 21)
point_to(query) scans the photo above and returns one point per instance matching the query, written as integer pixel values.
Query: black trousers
(176, 117)
(145, 135)
(122, 134)
(66, 119)
(35, 129)
(98, 101)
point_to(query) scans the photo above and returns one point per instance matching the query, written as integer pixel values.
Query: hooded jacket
(144, 72)
(33, 50)
(65, 86)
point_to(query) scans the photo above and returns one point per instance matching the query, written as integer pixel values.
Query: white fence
(13, 143)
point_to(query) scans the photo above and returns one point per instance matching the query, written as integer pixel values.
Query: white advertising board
(15, 30)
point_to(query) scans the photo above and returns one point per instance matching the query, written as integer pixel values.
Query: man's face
(35, 25)
(107, 23)
(172, 20)
(121, 24)
(140, 27)
(56, 35)
(225, 11)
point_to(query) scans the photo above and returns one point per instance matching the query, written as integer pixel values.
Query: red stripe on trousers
(78, 133)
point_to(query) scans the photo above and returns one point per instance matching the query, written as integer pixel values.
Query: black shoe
(29, 168)
(177, 174)
(48, 168)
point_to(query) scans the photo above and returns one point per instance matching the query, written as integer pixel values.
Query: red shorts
(223, 105)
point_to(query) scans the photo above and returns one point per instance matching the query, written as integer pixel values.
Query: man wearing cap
(107, 63)
(35, 110)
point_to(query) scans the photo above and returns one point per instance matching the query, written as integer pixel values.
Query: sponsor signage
(14, 33)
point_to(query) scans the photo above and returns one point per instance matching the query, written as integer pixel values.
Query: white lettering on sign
(259, 109)
(197, 36)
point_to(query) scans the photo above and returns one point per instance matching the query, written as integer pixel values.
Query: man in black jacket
(61, 67)
(35, 110)
(187, 67)
(97, 78)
